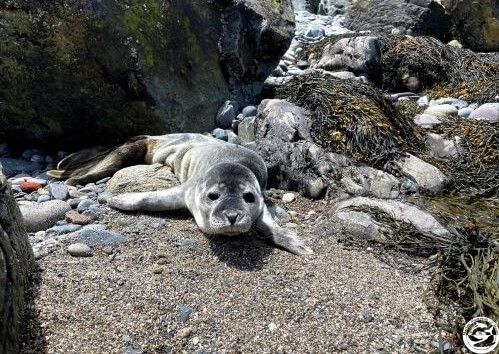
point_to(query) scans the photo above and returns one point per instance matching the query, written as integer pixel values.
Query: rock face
(475, 23)
(419, 17)
(15, 265)
(85, 71)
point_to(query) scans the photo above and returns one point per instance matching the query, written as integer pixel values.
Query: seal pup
(222, 184)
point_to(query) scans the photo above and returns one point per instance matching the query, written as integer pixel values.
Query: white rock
(427, 121)
(441, 110)
(41, 216)
(428, 177)
(288, 197)
(441, 147)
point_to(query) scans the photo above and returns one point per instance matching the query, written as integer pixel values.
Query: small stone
(17, 181)
(185, 332)
(423, 101)
(84, 205)
(157, 270)
(272, 326)
(465, 112)
(226, 114)
(37, 158)
(80, 250)
(104, 197)
(78, 219)
(367, 317)
(249, 111)
(103, 181)
(279, 214)
(220, 134)
(28, 187)
(94, 235)
(303, 64)
(288, 197)
(188, 244)
(195, 340)
(246, 129)
(427, 120)
(315, 33)
(456, 102)
(43, 198)
(184, 313)
(63, 229)
(455, 43)
(58, 190)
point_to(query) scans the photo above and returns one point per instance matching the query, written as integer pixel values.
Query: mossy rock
(85, 72)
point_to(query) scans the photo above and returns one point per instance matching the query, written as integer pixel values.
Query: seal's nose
(231, 216)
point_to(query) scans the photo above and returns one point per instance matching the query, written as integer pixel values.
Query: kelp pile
(474, 171)
(442, 69)
(351, 117)
(464, 264)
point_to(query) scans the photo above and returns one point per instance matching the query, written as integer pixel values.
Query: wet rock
(41, 216)
(428, 177)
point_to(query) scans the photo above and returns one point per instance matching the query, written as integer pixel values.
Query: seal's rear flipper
(90, 165)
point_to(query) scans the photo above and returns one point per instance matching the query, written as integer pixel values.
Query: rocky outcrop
(417, 17)
(475, 23)
(15, 265)
(81, 72)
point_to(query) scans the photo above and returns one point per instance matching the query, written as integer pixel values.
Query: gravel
(241, 295)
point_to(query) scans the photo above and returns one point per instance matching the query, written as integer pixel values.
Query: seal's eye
(249, 197)
(213, 196)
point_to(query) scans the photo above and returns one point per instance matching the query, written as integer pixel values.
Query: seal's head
(228, 199)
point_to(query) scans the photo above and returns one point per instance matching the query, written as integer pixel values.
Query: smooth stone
(58, 190)
(249, 111)
(303, 64)
(420, 219)
(80, 250)
(441, 147)
(465, 112)
(184, 313)
(423, 101)
(294, 72)
(315, 33)
(41, 216)
(456, 102)
(247, 129)
(396, 96)
(94, 237)
(428, 177)
(279, 72)
(279, 214)
(441, 110)
(63, 229)
(288, 197)
(77, 218)
(43, 198)
(188, 244)
(226, 114)
(487, 111)
(142, 178)
(84, 205)
(234, 139)
(427, 120)
(455, 43)
(13, 167)
(104, 197)
(343, 75)
(221, 134)
(368, 181)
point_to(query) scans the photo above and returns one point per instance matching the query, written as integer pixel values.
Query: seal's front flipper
(287, 239)
(165, 200)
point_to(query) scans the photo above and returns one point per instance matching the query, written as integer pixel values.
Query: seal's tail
(90, 165)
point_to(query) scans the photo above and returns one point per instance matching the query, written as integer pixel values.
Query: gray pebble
(184, 313)
(58, 190)
(43, 198)
(63, 229)
(249, 111)
(84, 205)
(188, 244)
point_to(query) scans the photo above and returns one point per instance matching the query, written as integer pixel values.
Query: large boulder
(418, 17)
(475, 23)
(15, 266)
(87, 71)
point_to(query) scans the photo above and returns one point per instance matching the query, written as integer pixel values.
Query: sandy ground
(244, 295)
